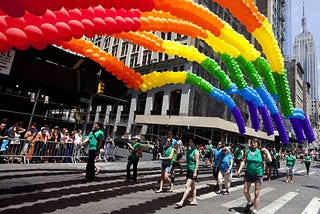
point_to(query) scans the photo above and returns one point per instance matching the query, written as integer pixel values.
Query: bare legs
(165, 177)
(190, 186)
(246, 192)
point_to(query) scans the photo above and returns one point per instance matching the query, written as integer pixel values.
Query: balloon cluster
(62, 25)
(17, 8)
(107, 61)
(165, 22)
(156, 79)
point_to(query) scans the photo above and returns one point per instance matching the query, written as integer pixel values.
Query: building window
(175, 100)
(135, 48)
(141, 104)
(124, 49)
(106, 43)
(114, 50)
(157, 103)
(115, 41)
(133, 60)
(123, 59)
(146, 57)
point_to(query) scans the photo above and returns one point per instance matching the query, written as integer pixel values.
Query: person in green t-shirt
(95, 139)
(253, 159)
(192, 173)
(291, 158)
(133, 159)
(166, 165)
(208, 153)
(307, 161)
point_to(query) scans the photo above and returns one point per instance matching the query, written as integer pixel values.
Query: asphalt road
(57, 188)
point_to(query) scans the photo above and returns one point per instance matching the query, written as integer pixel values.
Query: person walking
(192, 173)
(166, 165)
(133, 159)
(225, 164)
(307, 161)
(214, 164)
(253, 159)
(291, 158)
(238, 155)
(95, 139)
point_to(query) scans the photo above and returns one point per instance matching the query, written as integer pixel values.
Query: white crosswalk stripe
(242, 200)
(313, 207)
(277, 204)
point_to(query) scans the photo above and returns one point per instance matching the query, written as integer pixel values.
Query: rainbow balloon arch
(64, 23)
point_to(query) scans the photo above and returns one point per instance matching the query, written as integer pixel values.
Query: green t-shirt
(307, 158)
(191, 162)
(238, 154)
(174, 158)
(290, 160)
(209, 148)
(276, 156)
(98, 135)
(254, 162)
(166, 153)
(133, 153)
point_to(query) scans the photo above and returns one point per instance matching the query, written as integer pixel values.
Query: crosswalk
(61, 191)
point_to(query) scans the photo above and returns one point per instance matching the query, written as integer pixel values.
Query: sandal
(179, 204)
(194, 203)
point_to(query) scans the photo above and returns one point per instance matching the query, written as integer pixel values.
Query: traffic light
(100, 87)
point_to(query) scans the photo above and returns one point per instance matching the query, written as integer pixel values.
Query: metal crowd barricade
(22, 150)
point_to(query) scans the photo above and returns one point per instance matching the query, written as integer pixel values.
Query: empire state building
(304, 51)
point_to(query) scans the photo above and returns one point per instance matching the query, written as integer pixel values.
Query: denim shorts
(253, 178)
(166, 167)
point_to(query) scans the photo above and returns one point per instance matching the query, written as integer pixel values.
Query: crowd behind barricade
(44, 144)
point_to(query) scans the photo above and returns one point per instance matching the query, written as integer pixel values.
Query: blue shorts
(166, 167)
(253, 178)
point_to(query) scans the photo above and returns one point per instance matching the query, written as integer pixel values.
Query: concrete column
(96, 116)
(107, 116)
(133, 108)
(118, 115)
(165, 102)
(149, 103)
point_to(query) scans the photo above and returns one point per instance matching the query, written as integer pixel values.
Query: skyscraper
(304, 51)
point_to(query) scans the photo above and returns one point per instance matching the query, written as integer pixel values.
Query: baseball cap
(136, 137)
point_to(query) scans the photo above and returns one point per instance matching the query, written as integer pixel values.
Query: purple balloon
(307, 130)
(281, 129)
(297, 130)
(240, 122)
(267, 122)
(253, 116)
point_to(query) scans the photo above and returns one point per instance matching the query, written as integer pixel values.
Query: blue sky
(312, 9)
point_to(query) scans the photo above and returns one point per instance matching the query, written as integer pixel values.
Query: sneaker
(218, 192)
(226, 193)
(254, 211)
(249, 205)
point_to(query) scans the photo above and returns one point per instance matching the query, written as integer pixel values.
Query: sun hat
(136, 137)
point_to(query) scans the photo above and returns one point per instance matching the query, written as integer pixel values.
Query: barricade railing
(22, 150)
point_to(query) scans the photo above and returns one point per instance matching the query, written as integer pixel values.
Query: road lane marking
(277, 204)
(213, 194)
(313, 207)
(239, 201)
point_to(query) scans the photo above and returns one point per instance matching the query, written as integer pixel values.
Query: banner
(6, 60)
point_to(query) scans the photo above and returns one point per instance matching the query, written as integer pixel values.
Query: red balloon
(33, 33)
(121, 12)
(107, 3)
(88, 28)
(83, 4)
(3, 41)
(64, 31)
(49, 17)
(100, 12)
(75, 14)
(99, 25)
(62, 15)
(13, 8)
(146, 5)
(88, 13)
(110, 25)
(137, 23)
(130, 25)
(54, 5)
(16, 37)
(15, 22)
(23, 47)
(50, 33)
(3, 24)
(69, 4)
(33, 20)
(77, 28)
(120, 24)
(36, 7)
(40, 45)
(95, 3)
(111, 13)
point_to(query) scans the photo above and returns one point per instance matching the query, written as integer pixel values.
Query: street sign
(6, 60)
(84, 100)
